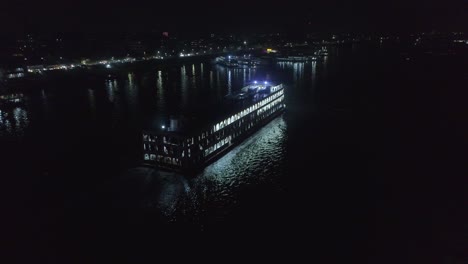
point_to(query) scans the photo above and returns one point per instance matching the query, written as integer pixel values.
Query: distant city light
(266, 82)
(163, 126)
(108, 66)
(255, 82)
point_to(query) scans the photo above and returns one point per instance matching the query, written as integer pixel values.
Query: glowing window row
(218, 145)
(270, 105)
(162, 159)
(276, 88)
(246, 111)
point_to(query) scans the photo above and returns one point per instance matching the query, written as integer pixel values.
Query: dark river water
(366, 162)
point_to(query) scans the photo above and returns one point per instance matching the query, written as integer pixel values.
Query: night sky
(241, 15)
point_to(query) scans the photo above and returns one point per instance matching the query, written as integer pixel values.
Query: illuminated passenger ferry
(188, 146)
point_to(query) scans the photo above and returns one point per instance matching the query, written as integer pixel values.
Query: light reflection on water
(314, 70)
(184, 87)
(160, 92)
(229, 81)
(13, 121)
(131, 96)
